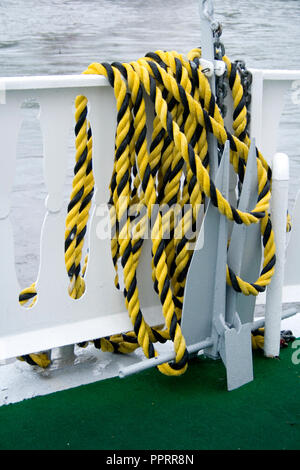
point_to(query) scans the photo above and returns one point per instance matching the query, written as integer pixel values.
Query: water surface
(41, 37)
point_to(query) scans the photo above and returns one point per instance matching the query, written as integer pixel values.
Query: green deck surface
(151, 411)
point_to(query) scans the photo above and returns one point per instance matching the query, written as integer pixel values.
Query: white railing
(57, 320)
(268, 93)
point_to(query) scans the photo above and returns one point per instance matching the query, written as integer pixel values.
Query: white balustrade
(57, 320)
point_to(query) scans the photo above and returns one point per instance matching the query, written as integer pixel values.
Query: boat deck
(155, 412)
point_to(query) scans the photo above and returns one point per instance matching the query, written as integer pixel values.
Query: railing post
(63, 355)
(278, 216)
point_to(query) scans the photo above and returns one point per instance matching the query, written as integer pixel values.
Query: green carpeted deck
(151, 411)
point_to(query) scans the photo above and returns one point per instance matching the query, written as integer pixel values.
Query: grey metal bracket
(205, 290)
(204, 308)
(244, 258)
(244, 252)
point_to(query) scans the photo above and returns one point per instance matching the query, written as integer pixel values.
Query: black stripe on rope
(110, 73)
(86, 200)
(269, 266)
(26, 296)
(80, 161)
(29, 360)
(129, 339)
(76, 199)
(80, 121)
(70, 237)
(157, 58)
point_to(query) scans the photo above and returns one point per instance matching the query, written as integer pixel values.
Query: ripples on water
(41, 37)
(59, 37)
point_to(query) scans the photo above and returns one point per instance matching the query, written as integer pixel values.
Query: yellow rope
(258, 339)
(175, 170)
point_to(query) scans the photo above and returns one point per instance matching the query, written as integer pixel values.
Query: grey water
(42, 37)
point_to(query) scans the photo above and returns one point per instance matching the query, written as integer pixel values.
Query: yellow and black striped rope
(198, 169)
(175, 171)
(144, 84)
(240, 129)
(80, 200)
(78, 214)
(240, 125)
(149, 195)
(192, 190)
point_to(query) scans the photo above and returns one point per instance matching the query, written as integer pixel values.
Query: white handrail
(43, 82)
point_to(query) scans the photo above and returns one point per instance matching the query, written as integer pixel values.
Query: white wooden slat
(273, 102)
(100, 287)
(267, 101)
(268, 90)
(275, 289)
(9, 287)
(10, 121)
(56, 320)
(55, 120)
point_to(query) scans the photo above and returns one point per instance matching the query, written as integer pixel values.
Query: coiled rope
(174, 171)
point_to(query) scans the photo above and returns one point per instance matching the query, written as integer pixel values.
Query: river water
(41, 37)
(64, 36)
